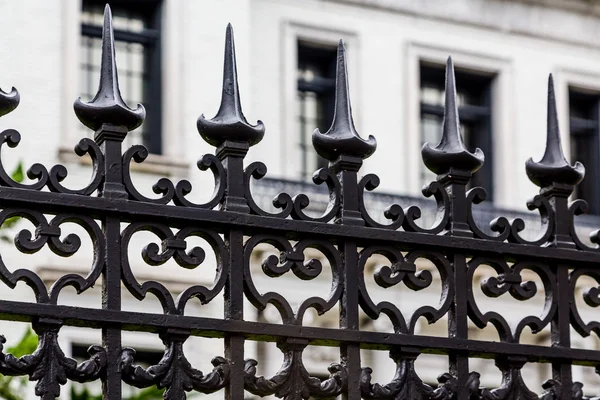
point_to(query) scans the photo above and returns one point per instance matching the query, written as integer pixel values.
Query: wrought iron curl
(501, 225)
(553, 390)
(173, 246)
(49, 233)
(48, 365)
(165, 187)
(591, 296)
(69, 246)
(442, 200)
(283, 201)
(406, 384)
(37, 171)
(292, 381)
(509, 281)
(174, 372)
(394, 213)
(542, 204)
(403, 269)
(512, 386)
(58, 173)
(292, 259)
(301, 201)
(580, 207)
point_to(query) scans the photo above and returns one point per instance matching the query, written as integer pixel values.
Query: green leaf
(12, 387)
(26, 345)
(18, 175)
(151, 393)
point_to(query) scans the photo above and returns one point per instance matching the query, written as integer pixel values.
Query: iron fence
(456, 241)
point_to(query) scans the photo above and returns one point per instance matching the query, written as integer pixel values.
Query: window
(475, 111)
(585, 146)
(316, 98)
(136, 27)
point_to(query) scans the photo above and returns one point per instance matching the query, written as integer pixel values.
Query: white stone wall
(521, 41)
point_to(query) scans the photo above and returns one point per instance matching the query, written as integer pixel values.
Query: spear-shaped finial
(230, 124)
(342, 139)
(451, 153)
(107, 107)
(553, 167)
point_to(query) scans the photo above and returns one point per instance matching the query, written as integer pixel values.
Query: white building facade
(170, 57)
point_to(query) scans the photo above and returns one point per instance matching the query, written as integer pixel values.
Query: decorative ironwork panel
(234, 223)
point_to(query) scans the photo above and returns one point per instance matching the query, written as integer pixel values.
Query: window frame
(292, 33)
(592, 125)
(502, 122)
(581, 80)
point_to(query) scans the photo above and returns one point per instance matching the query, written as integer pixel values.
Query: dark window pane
(585, 144)
(316, 90)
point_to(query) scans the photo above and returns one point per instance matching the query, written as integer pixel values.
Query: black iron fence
(457, 242)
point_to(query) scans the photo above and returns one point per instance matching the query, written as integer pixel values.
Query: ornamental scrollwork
(553, 390)
(403, 268)
(49, 232)
(48, 365)
(509, 280)
(173, 192)
(500, 225)
(173, 245)
(413, 213)
(301, 201)
(406, 384)
(38, 172)
(393, 213)
(547, 214)
(174, 372)
(282, 201)
(292, 381)
(292, 259)
(591, 297)
(512, 386)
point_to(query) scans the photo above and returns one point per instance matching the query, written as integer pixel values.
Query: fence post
(232, 135)
(111, 119)
(345, 150)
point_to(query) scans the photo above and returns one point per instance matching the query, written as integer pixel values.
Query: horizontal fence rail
(339, 217)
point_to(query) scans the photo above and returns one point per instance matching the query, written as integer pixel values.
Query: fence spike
(9, 101)
(451, 153)
(230, 124)
(108, 107)
(342, 139)
(553, 167)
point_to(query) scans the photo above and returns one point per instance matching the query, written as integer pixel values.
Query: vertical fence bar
(561, 332)
(231, 134)
(345, 150)
(350, 352)
(557, 180)
(458, 325)
(234, 309)
(111, 119)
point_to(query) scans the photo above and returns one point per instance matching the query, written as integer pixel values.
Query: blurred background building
(170, 55)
